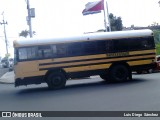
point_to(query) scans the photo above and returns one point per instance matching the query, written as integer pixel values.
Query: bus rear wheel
(56, 80)
(119, 73)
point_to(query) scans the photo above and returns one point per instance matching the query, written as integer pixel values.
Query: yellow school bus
(111, 55)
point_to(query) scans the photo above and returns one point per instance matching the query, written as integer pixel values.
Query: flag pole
(105, 22)
(106, 16)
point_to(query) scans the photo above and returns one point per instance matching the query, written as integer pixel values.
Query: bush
(156, 36)
(157, 40)
(158, 49)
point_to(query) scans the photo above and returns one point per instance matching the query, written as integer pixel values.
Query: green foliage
(7, 55)
(100, 30)
(158, 49)
(116, 23)
(25, 33)
(156, 36)
(157, 40)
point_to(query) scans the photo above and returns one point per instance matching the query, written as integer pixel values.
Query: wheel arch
(125, 64)
(55, 71)
(120, 63)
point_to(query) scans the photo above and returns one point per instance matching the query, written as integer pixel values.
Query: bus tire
(119, 73)
(103, 76)
(139, 72)
(150, 71)
(56, 80)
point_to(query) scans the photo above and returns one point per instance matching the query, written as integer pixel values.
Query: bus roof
(83, 37)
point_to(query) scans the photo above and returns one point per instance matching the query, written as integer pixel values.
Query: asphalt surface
(3, 71)
(140, 94)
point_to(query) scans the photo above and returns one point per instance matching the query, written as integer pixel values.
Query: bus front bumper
(29, 81)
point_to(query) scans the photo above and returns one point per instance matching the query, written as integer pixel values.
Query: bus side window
(75, 49)
(148, 43)
(121, 45)
(101, 46)
(134, 44)
(54, 50)
(139, 43)
(44, 51)
(28, 53)
(109, 46)
(61, 50)
(22, 53)
(31, 53)
(89, 47)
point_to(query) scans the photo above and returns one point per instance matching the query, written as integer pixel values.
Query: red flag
(93, 7)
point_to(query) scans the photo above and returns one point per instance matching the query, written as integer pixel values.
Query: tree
(25, 33)
(7, 56)
(115, 22)
(154, 24)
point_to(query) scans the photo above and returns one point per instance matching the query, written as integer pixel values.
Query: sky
(64, 17)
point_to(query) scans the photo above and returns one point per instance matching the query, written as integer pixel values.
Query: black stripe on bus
(105, 58)
(51, 68)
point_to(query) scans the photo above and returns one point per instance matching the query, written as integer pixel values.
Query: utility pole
(4, 23)
(106, 15)
(31, 14)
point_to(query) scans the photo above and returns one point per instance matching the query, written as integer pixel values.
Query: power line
(9, 37)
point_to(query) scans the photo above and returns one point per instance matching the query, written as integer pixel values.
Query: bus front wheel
(56, 80)
(119, 73)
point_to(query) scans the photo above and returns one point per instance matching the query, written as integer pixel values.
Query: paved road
(3, 71)
(140, 94)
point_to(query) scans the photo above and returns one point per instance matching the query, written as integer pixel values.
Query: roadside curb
(95, 76)
(1, 82)
(7, 78)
